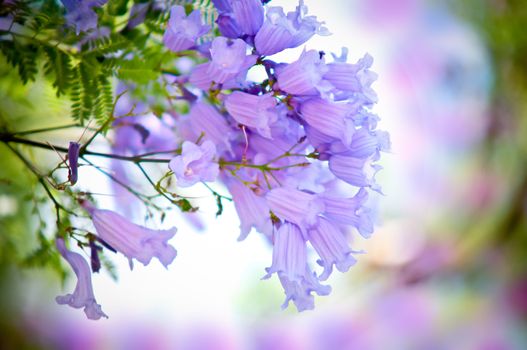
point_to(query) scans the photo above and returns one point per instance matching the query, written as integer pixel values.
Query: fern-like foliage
(58, 65)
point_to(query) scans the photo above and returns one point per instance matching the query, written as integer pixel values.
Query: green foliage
(22, 57)
(58, 65)
(46, 255)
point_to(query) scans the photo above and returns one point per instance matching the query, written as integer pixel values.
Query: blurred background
(445, 269)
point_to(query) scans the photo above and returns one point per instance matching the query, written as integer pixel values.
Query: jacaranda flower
(73, 162)
(258, 112)
(81, 15)
(183, 31)
(195, 164)
(133, 241)
(82, 296)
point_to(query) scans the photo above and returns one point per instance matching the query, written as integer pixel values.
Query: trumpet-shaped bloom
(182, 30)
(195, 163)
(257, 112)
(280, 32)
(82, 296)
(133, 241)
(298, 207)
(290, 264)
(81, 14)
(331, 246)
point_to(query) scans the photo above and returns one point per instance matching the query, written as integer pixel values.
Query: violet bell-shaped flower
(280, 32)
(195, 164)
(182, 31)
(295, 206)
(252, 209)
(332, 247)
(228, 59)
(255, 111)
(81, 15)
(304, 77)
(290, 264)
(73, 162)
(82, 296)
(133, 241)
(239, 17)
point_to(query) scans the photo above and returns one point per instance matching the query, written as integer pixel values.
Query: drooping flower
(290, 264)
(228, 59)
(331, 246)
(133, 241)
(254, 111)
(305, 76)
(328, 117)
(252, 209)
(81, 15)
(195, 164)
(82, 296)
(245, 16)
(280, 32)
(182, 30)
(298, 207)
(355, 171)
(73, 162)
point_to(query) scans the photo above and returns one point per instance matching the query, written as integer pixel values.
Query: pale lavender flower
(252, 210)
(290, 264)
(73, 162)
(350, 211)
(81, 15)
(328, 117)
(228, 59)
(133, 241)
(245, 16)
(280, 32)
(355, 171)
(298, 207)
(195, 164)
(182, 30)
(364, 144)
(255, 111)
(353, 78)
(332, 247)
(304, 76)
(82, 296)
(206, 122)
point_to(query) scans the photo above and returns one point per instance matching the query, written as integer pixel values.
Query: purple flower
(332, 247)
(81, 14)
(73, 162)
(204, 119)
(298, 207)
(252, 209)
(228, 59)
(353, 78)
(83, 294)
(355, 171)
(290, 264)
(134, 241)
(304, 76)
(254, 111)
(245, 16)
(328, 117)
(183, 31)
(280, 32)
(195, 164)
(350, 211)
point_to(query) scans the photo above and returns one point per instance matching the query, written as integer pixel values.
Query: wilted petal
(73, 162)
(134, 241)
(83, 293)
(195, 163)
(331, 246)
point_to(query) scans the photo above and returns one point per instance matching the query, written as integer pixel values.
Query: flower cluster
(297, 150)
